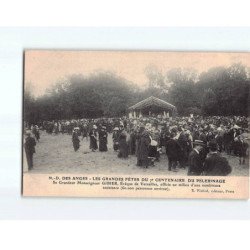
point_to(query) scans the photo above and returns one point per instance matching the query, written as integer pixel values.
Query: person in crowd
(184, 146)
(29, 146)
(122, 140)
(75, 138)
(56, 129)
(115, 138)
(84, 131)
(93, 138)
(219, 139)
(103, 139)
(143, 148)
(137, 138)
(243, 158)
(228, 140)
(155, 133)
(195, 160)
(173, 150)
(132, 141)
(35, 131)
(215, 164)
(240, 148)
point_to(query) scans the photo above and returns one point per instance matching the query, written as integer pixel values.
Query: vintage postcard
(136, 124)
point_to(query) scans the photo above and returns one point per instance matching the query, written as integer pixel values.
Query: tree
(218, 91)
(183, 90)
(156, 79)
(78, 96)
(29, 105)
(230, 87)
(209, 103)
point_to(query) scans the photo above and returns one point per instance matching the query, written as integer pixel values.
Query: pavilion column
(140, 114)
(164, 114)
(134, 114)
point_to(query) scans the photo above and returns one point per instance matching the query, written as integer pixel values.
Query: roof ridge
(154, 99)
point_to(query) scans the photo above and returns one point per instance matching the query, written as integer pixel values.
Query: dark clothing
(240, 149)
(93, 140)
(103, 140)
(115, 138)
(203, 137)
(210, 137)
(132, 143)
(143, 149)
(216, 165)
(76, 141)
(184, 149)
(163, 139)
(29, 146)
(237, 147)
(219, 141)
(152, 151)
(196, 135)
(137, 139)
(123, 146)
(195, 163)
(228, 141)
(36, 133)
(203, 153)
(84, 132)
(173, 151)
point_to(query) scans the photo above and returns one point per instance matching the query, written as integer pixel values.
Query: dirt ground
(55, 154)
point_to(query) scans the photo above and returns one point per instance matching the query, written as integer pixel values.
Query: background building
(152, 106)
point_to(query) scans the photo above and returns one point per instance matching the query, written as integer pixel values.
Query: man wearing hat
(195, 159)
(29, 146)
(215, 164)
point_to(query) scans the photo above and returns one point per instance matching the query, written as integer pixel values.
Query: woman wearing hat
(93, 138)
(115, 139)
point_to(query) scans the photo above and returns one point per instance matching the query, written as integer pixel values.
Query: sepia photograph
(136, 113)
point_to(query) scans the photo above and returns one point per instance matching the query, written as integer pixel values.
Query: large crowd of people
(193, 142)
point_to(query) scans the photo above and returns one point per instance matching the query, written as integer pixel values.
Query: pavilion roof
(152, 101)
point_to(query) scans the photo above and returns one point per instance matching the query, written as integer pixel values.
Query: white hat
(236, 126)
(153, 143)
(94, 126)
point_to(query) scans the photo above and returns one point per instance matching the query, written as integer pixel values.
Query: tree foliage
(218, 91)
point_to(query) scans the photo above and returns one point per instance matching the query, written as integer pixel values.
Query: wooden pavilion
(152, 106)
